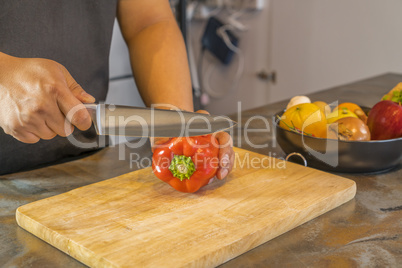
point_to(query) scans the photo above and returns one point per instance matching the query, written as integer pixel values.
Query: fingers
(226, 154)
(202, 112)
(30, 126)
(80, 93)
(45, 125)
(37, 132)
(72, 108)
(58, 123)
(74, 111)
(75, 88)
(70, 101)
(44, 132)
(26, 137)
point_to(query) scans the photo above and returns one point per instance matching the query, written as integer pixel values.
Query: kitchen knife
(131, 121)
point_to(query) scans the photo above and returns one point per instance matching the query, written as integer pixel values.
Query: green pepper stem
(182, 167)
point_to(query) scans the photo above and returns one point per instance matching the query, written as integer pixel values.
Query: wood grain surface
(136, 220)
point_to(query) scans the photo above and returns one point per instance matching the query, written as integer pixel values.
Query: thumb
(202, 112)
(81, 95)
(75, 88)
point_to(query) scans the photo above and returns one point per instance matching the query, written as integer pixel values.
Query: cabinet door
(252, 89)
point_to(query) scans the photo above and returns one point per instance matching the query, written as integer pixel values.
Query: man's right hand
(36, 96)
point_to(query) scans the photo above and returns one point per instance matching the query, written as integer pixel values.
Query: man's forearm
(159, 62)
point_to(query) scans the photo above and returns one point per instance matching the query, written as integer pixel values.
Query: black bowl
(340, 156)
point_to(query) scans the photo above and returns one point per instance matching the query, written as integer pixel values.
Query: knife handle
(91, 108)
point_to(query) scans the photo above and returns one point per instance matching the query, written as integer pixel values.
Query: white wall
(311, 44)
(318, 44)
(122, 91)
(255, 46)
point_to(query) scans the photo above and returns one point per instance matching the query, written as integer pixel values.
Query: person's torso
(75, 33)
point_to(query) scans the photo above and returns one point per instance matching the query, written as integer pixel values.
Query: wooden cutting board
(136, 220)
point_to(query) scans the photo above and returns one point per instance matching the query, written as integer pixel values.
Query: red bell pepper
(188, 163)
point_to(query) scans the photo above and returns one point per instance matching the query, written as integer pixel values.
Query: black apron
(75, 33)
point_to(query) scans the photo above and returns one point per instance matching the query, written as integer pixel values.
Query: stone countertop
(364, 232)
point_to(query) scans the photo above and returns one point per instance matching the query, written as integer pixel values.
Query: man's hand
(226, 154)
(36, 96)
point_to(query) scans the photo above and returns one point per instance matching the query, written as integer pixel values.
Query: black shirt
(75, 33)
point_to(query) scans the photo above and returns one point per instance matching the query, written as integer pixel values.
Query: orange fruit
(350, 106)
(305, 118)
(323, 106)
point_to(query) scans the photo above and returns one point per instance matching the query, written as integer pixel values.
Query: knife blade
(133, 121)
